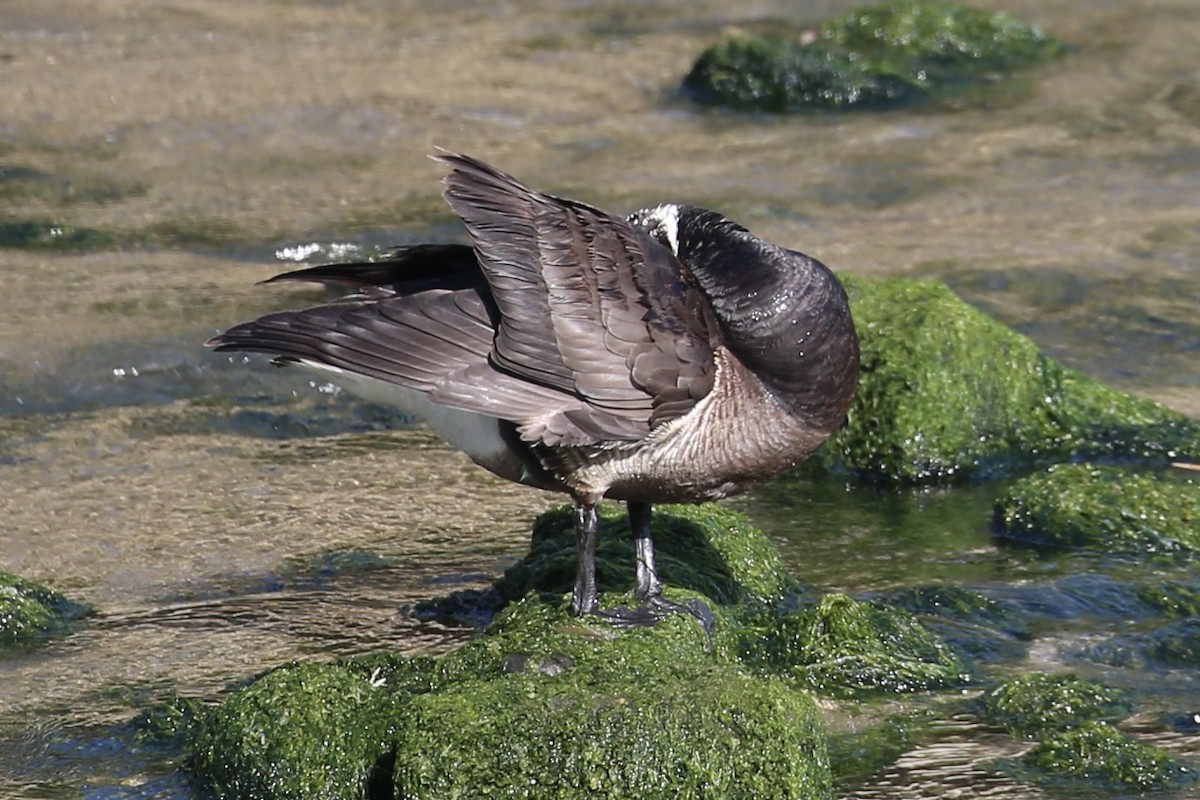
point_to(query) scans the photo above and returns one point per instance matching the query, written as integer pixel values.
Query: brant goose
(667, 357)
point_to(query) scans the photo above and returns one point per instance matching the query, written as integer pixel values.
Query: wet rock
(1099, 756)
(30, 612)
(947, 394)
(846, 647)
(877, 56)
(1035, 705)
(1108, 508)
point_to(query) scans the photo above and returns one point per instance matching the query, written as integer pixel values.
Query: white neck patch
(666, 218)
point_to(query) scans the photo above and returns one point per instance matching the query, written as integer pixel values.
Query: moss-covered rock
(877, 56)
(300, 732)
(1085, 505)
(704, 733)
(947, 393)
(1035, 705)
(951, 39)
(776, 74)
(543, 705)
(30, 611)
(1099, 756)
(707, 549)
(843, 647)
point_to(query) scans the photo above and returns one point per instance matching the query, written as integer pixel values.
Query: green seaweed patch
(949, 39)
(1171, 599)
(543, 705)
(30, 611)
(299, 732)
(47, 234)
(537, 635)
(1035, 705)
(706, 549)
(1099, 756)
(846, 647)
(777, 75)
(947, 393)
(1110, 508)
(700, 733)
(171, 723)
(874, 57)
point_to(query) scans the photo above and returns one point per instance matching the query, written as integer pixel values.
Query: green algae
(1098, 755)
(1035, 705)
(946, 394)
(716, 734)
(1171, 599)
(30, 611)
(938, 36)
(543, 705)
(300, 732)
(775, 74)
(1114, 509)
(873, 57)
(846, 647)
(707, 549)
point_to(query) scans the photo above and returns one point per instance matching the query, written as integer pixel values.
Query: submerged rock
(1109, 508)
(30, 611)
(1035, 705)
(877, 56)
(845, 647)
(947, 393)
(1097, 755)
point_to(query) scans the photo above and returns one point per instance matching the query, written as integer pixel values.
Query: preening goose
(669, 356)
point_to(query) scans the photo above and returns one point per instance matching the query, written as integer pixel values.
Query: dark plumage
(667, 357)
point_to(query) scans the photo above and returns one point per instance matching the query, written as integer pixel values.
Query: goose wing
(588, 304)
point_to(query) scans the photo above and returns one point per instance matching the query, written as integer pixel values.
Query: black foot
(654, 609)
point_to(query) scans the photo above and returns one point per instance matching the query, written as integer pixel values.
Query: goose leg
(583, 601)
(647, 590)
(648, 584)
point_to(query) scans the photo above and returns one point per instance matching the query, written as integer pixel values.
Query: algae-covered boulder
(776, 74)
(300, 732)
(1114, 509)
(947, 393)
(843, 647)
(543, 705)
(1098, 756)
(30, 611)
(876, 56)
(707, 733)
(707, 549)
(1035, 705)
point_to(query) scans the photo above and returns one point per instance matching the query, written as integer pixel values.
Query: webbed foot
(654, 609)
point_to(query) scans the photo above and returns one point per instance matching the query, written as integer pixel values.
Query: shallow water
(223, 518)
